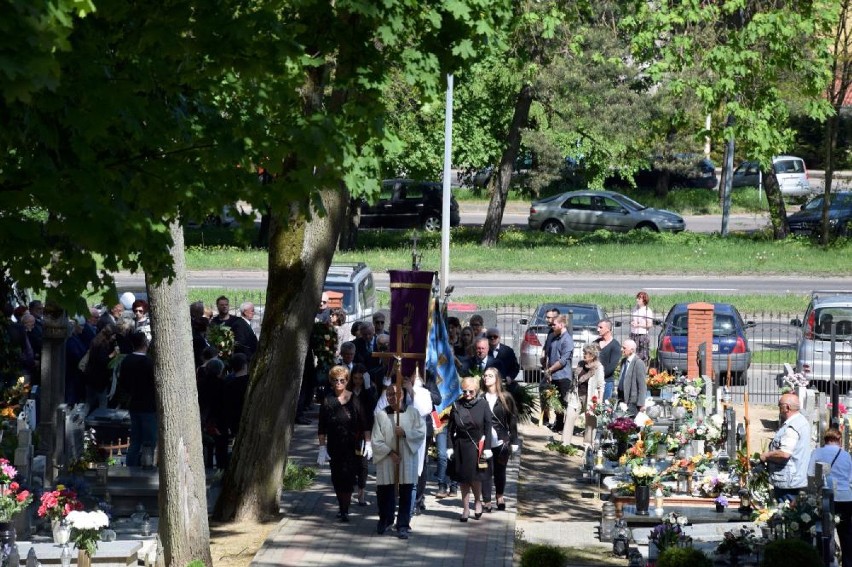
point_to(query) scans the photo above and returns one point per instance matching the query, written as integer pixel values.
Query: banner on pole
(411, 293)
(440, 360)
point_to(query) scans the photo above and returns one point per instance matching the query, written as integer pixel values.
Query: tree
(738, 58)
(349, 53)
(838, 88)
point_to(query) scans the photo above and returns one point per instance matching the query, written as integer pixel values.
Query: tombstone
(52, 391)
(731, 440)
(74, 428)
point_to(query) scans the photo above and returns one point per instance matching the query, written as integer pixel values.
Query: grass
(297, 477)
(634, 253)
(568, 450)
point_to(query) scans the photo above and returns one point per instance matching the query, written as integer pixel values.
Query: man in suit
(504, 353)
(481, 360)
(364, 345)
(632, 388)
(244, 338)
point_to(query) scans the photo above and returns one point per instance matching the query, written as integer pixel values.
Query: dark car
(808, 220)
(685, 170)
(729, 340)
(406, 203)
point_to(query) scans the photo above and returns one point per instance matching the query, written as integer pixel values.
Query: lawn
(602, 252)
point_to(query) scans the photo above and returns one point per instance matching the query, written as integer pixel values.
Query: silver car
(583, 319)
(590, 210)
(826, 311)
(790, 171)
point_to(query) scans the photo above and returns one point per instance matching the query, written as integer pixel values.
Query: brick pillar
(700, 330)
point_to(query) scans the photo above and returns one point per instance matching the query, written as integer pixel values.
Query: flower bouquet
(643, 475)
(57, 504)
(86, 529)
(712, 485)
(668, 533)
(13, 498)
(551, 399)
(721, 503)
(656, 381)
(222, 338)
(737, 542)
(792, 381)
(622, 427)
(324, 344)
(800, 517)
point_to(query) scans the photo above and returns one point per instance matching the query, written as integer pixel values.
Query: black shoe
(501, 506)
(462, 518)
(344, 517)
(487, 508)
(381, 528)
(477, 516)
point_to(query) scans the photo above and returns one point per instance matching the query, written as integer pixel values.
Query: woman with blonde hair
(470, 435)
(590, 388)
(343, 435)
(504, 436)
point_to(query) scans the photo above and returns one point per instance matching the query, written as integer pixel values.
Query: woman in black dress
(343, 437)
(366, 396)
(470, 435)
(504, 439)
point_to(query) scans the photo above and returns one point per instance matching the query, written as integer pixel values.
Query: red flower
(13, 486)
(23, 495)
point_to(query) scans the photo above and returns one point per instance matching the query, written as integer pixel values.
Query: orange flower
(652, 372)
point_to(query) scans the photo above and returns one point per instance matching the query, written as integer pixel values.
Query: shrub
(543, 556)
(683, 557)
(297, 477)
(790, 553)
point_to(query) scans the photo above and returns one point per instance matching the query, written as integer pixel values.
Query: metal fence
(772, 341)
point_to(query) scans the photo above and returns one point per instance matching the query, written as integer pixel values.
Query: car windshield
(841, 317)
(585, 317)
(723, 325)
(630, 203)
(789, 166)
(815, 204)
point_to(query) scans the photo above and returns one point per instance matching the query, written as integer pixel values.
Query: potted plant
(721, 503)
(56, 505)
(643, 478)
(86, 532)
(621, 428)
(13, 499)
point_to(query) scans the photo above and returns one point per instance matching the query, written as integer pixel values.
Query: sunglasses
(468, 391)
(139, 311)
(493, 336)
(339, 381)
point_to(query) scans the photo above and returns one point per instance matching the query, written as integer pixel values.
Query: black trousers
(844, 531)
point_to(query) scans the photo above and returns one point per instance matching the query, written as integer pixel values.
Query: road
(498, 284)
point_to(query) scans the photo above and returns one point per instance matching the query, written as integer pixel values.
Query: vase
(61, 531)
(719, 508)
(621, 446)
(83, 559)
(643, 497)
(7, 535)
(698, 446)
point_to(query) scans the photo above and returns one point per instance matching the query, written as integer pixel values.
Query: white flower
(812, 530)
(95, 520)
(681, 520)
(806, 518)
(717, 420)
(794, 526)
(622, 406)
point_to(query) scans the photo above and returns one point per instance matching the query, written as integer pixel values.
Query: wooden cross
(398, 356)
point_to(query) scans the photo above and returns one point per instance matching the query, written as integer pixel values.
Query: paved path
(310, 535)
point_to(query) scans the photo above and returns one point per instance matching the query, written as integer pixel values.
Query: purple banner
(411, 295)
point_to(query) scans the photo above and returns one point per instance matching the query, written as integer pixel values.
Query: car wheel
(647, 226)
(553, 227)
(432, 223)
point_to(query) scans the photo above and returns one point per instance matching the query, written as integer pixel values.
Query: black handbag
(505, 453)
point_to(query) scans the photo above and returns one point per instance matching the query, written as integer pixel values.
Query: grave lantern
(745, 502)
(607, 521)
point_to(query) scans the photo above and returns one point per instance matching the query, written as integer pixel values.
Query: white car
(790, 171)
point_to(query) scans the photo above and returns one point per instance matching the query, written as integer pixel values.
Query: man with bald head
(632, 387)
(790, 450)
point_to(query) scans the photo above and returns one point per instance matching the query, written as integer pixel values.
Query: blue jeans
(441, 472)
(386, 502)
(608, 389)
(143, 432)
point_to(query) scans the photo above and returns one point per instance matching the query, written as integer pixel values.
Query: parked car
(480, 177)
(355, 282)
(684, 169)
(584, 319)
(790, 171)
(729, 340)
(808, 220)
(590, 210)
(406, 203)
(826, 310)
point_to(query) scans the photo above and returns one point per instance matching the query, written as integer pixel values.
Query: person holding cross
(398, 433)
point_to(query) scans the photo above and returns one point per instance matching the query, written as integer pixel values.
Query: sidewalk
(309, 534)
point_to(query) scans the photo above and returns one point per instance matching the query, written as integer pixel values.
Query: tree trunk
(183, 492)
(499, 184)
(349, 230)
(777, 211)
(663, 183)
(300, 252)
(831, 127)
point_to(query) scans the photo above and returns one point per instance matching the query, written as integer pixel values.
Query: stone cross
(52, 391)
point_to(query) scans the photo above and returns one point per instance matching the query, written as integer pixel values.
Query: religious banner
(411, 294)
(440, 360)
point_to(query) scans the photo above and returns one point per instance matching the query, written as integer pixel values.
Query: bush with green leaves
(683, 557)
(792, 552)
(543, 556)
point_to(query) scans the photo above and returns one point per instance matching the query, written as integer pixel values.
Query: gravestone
(52, 391)
(74, 421)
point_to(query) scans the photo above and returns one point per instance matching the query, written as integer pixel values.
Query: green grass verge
(600, 252)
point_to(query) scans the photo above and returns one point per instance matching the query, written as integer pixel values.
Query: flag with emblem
(440, 360)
